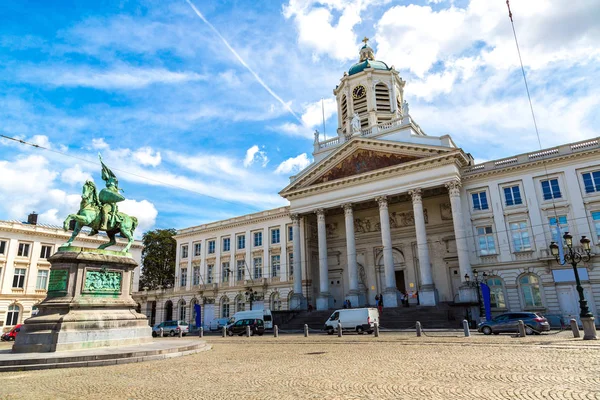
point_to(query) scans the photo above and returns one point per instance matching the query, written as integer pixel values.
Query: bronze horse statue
(90, 214)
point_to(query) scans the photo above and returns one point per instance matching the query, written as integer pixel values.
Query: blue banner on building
(487, 304)
(198, 315)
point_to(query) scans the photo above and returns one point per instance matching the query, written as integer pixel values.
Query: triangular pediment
(361, 161)
(363, 157)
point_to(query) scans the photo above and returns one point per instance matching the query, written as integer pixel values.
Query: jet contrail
(241, 60)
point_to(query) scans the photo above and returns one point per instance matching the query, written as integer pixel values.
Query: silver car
(508, 322)
(171, 328)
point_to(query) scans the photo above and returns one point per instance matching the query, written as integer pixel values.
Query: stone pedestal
(324, 301)
(589, 329)
(427, 295)
(88, 304)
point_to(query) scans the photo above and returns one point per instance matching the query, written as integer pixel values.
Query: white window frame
(198, 249)
(241, 240)
(46, 251)
(42, 275)
(184, 251)
(21, 249)
(183, 277)
(212, 246)
(226, 270)
(275, 265)
(257, 238)
(257, 264)
(226, 240)
(560, 189)
(595, 225)
(595, 184)
(563, 227)
(496, 290)
(290, 261)
(13, 315)
(510, 186)
(529, 285)
(225, 307)
(210, 269)
(19, 278)
(290, 233)
(478, 193)
(240, 270)
(195, 275)
(3, 247)
(488, 235)
(275, 235)
(520, 230)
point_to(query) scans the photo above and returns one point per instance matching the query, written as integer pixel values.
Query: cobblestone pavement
(393, 366)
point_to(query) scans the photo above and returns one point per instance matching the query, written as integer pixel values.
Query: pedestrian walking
(380, 305)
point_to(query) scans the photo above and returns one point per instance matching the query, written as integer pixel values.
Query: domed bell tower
(372, 90)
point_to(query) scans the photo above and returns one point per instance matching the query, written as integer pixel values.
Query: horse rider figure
(109, 197)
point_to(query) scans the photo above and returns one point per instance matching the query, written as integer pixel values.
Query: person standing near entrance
(380, 304)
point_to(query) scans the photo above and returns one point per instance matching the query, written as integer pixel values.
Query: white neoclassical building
(387, 209)
(24, 267)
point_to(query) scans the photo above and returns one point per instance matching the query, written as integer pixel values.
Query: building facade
(386, 209)
(24, 267)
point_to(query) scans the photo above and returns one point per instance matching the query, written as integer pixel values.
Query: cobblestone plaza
(393, 366)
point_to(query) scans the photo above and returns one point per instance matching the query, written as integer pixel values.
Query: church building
(386, 209)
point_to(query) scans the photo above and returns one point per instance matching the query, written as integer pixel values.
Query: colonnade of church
(427, 293)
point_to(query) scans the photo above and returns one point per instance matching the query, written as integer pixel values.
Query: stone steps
(156, 350)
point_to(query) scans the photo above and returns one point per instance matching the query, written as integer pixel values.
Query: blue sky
(204, 109)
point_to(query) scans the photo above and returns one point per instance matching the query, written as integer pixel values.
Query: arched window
(496, 292)
(12, 317)
(224, 307)
(239, 303)
(275, 302)
(530, 288)
(182, 310)
(382, 97)
(168, 310)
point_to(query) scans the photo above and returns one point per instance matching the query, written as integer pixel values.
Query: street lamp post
(475, 283)
(250, 296)
(574, 257)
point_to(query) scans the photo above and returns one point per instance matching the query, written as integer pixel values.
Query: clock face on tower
(359, 92)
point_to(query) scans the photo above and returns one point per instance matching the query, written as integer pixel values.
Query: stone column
(355, 295)
(324, 299)
(427, 295)
(466, 293)
(390, 293)
(298, 301)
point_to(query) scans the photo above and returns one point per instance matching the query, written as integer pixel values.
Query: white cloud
(144, 211)
(254, 154)
(75, 175)
(41, 140)
(312, 119)
(147, 156)
(293, 165)
(99, 144)
(123, 77)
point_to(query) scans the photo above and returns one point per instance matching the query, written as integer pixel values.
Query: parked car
(353, 319)
(171, 328)
(12, 334)
(265, 315)
(218, 323)
(257, 327)
(508, 322)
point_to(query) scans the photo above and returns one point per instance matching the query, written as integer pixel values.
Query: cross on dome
(365, 40)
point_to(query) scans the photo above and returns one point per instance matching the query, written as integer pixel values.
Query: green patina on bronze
(102, 282)
(57, 283)
(99, 211)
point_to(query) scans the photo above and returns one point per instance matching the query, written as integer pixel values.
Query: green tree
(158, 258)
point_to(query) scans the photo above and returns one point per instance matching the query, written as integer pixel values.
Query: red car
(12, 334)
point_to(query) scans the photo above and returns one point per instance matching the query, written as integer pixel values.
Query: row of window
(24, 249)
(21, 273)
(550, 191)
(241, 242)
(520, 234)
(240, 271)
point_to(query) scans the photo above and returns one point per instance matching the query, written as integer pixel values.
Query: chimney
(32, 218)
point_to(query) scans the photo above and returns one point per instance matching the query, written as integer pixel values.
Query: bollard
(248, 331)
(201, 332)
(521, 328)
(180, 332)
(305, 330)
(339, 329)
(575, 328)
(418, 326)
(466, 328)
(224, 332)
(161, 332)
(376, 329)
(275, 331)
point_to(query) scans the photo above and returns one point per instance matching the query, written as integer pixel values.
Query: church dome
(367, 60)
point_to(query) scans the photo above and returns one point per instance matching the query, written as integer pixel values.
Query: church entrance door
(400, 284)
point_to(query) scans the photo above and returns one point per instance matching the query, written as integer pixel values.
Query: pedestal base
(88, 305)
(589, 328)
(467, 294)
(391, 297)
(427, 296)
(297, 302)
(324, 301)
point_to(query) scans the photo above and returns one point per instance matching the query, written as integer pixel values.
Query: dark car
(509, 322)
(257, 327)
(12, 334)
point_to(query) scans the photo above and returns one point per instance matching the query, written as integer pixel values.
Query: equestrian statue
(100, 211)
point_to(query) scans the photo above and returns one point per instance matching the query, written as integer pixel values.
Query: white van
(353, 319)
(265, 315)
